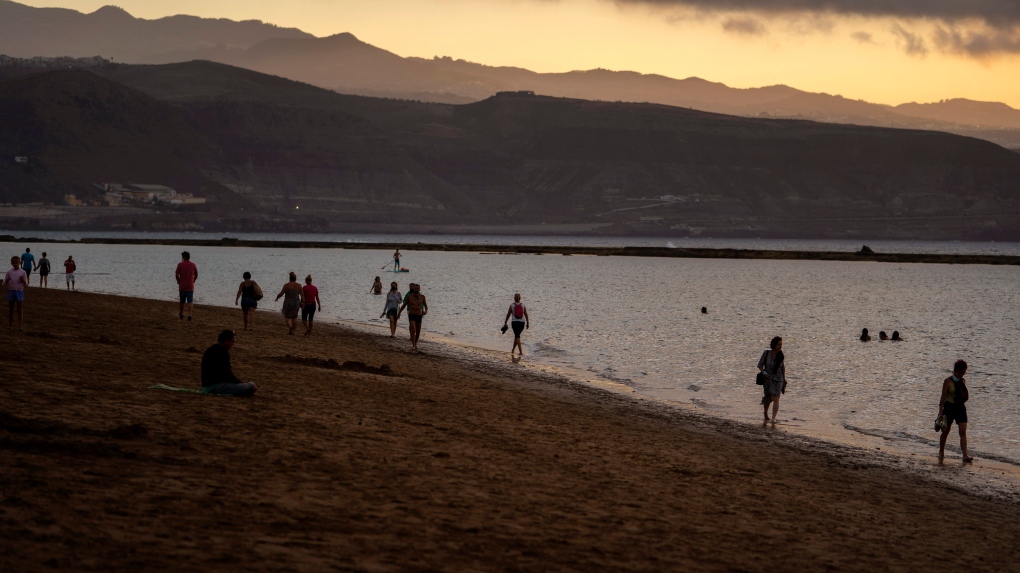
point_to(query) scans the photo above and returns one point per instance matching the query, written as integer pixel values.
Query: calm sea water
(637, 321)
(922, 247)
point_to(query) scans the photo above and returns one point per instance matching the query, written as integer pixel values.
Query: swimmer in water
(864, 336)
(896, 336)
(883, 336)
(376, 286)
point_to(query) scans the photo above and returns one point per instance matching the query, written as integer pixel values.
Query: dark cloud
(863, 37)
(998, 13)
(977, 43)
(911, 43)
(745, 26)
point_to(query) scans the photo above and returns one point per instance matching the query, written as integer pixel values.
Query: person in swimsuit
(376, 286)
(44, 271)
(772, 365)
(390, 310)
(953, 405)
(396, 260)
(292, 302)
(15, 280)
(248, 293)
(416, 309)
(865, 337)
(310, 296)
(519, 323)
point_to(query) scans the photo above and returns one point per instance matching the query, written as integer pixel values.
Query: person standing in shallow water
(376, 286)
(186, 275)
(69, 268)
(44, 271)
(772, 364)
(952, 403)
(519, 323)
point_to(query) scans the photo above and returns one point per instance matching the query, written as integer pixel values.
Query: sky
(883, 51)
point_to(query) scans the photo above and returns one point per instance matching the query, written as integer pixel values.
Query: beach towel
(173, 389)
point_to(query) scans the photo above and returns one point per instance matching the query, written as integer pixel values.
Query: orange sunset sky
(886, 51)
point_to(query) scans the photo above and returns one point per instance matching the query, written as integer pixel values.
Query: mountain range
(270, 152)
(347, 65)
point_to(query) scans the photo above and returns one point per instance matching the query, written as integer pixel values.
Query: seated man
(217, 377)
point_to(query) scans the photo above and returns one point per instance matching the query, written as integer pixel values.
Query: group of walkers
(19, 276)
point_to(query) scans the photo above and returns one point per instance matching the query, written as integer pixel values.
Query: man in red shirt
(187, 273)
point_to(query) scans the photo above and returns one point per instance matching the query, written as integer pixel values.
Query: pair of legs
(14, 307)
(187, 303)
(70, 281)
(396, 264)
(291, 324)
(44, 281)
(414, 325)
(392, 315)
(308, 317)
(249, 317)
(773, 400)
(518, 329)
(963, 441)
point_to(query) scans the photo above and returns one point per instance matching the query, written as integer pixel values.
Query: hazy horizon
(906, 52)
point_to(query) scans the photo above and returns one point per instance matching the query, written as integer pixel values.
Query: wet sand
(440, 464)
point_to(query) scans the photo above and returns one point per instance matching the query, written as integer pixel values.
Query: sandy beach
(358, 455)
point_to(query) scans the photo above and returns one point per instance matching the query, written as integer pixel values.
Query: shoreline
(451, 462)
(662, 252)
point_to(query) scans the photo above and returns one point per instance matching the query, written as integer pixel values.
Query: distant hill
(111, 32)
(345, 64)
(273, 145)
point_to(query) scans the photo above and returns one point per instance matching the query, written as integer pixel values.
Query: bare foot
(968, 459)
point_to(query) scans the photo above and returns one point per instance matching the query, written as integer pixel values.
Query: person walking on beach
(249, 293)
(27, 260)
(771, 364)
(217, 376)
(186, 275)
(69, 267)
(44, 271)
(520, 321)
(310, 296)
(376, 286)
(292, 301)
(15, 280)
(953, 405)
(416, 309)
(396, 260)
(393, 301)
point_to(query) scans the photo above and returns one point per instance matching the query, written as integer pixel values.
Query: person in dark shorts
(248, 293)
(311, 299)
(27, 262)
(44, 271)
(519, 322)
(417, 308)
(953, 405)
(186, 275)
(217, 376)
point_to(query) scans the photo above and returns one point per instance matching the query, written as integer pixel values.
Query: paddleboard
(400, 271)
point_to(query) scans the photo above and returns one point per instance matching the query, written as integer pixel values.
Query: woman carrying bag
(249, 293)
(772, 377)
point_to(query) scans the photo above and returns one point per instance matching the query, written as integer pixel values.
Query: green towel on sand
(172, 389)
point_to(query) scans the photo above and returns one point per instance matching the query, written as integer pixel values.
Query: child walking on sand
(15, 280)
